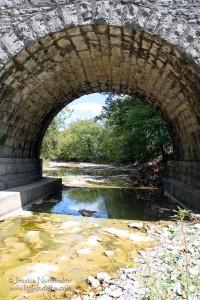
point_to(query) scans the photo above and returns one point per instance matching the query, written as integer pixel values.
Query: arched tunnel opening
(61, 66)
(111, 214)
(111, 152)
(131, 115)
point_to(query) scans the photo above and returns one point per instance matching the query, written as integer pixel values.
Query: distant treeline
(127, 131)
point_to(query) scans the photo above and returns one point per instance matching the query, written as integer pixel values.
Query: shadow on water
(106, 203)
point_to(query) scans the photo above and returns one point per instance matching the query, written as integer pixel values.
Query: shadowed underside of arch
(44, 77)
(47, 74)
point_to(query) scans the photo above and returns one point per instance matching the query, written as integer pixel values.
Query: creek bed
(46, 255)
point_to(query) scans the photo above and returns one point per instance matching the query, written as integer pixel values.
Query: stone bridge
(54, 51)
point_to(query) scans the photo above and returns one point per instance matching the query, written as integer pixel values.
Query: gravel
(160, 272)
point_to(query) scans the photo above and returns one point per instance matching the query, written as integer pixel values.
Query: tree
(82, 142)
(136, 132)
(51, 139)
(129, 131)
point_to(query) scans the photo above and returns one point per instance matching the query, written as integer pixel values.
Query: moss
(3, 139)
(30, 226)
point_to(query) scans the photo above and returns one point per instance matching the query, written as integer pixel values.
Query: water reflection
(99, 203)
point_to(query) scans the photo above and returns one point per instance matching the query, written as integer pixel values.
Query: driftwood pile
(149, 174)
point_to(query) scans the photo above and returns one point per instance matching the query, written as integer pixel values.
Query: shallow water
(39, 250)
(49, 251)
(98, 202)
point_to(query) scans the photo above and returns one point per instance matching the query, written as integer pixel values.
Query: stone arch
(89, 58)
(59, 51)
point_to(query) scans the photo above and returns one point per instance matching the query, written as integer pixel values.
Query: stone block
(185, 193)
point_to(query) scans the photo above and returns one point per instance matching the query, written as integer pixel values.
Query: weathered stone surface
(103, 277)
(185, 193)
(51, 52)
(93, 282)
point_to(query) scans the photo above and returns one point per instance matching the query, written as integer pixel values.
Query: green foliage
(135, 132)
(129, 131)
(51, 139)
(82, 141)
(182, 214)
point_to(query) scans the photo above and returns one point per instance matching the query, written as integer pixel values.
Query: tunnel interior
(45, 76)
(41, 79)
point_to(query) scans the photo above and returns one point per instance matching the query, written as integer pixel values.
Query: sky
(86, 107)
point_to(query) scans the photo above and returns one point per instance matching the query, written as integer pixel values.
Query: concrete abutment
(17, 198)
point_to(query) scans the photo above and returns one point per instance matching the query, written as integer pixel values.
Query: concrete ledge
(185, 193)
(15, 198)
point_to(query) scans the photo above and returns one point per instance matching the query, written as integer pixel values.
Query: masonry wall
(54, 51)
(16, 172)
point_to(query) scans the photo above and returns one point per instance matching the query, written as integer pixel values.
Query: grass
(173, 281)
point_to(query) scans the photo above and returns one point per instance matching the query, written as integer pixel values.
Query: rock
(52, 200)
(103, 277)
(69, 224)
(32, 234)
(136, 225)
(104, 297)
(38, 201)
(129, 270)
(135, 237)
(86, 297)
(197, 226)
(123, 276)
(84, 251)
(91, 294)
(195, 271)
(62, 258)
(179, 289)
(93, 282)
(113, 291)
(131, 276)
(86, 213)
(108, 253)
(93, 240)
(165, 258)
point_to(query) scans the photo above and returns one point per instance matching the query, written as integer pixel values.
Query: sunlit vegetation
(126, 131)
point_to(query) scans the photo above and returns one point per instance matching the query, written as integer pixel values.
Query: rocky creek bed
(170, 270)
(50, 256)
(77, 174)
(45, 256)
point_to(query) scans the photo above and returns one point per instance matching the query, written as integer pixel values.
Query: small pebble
(93, 282)
(108, 253)
(103, 277)
(136, 225)
(113, 291)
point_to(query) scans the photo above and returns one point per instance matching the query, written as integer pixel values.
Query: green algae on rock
(41, 250)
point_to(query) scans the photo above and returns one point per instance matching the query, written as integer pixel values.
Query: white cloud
(91, 108)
